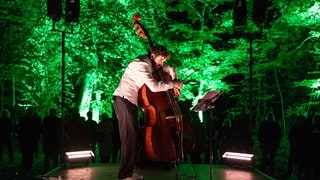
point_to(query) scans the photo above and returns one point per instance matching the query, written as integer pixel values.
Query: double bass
(168, 134)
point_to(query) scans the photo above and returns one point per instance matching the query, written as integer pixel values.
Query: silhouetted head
(52, 111)
(5, 113)
(89, 114)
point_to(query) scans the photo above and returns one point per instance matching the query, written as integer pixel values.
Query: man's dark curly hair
(159, 50)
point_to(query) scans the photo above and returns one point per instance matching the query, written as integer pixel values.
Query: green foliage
(206, 52)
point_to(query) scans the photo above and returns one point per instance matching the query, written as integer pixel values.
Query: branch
(302, 43)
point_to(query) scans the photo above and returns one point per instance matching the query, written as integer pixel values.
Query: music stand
(205, 103)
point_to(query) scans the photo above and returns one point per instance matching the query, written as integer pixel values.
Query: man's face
(159, 61)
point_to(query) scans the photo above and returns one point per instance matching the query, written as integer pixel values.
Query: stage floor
(184, 171)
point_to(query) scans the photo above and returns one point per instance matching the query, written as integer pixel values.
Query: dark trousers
(268, 156)
(127, 115)
(48, 156)
(104, 158)
(6, 141)
(115, 151)
(27, 159)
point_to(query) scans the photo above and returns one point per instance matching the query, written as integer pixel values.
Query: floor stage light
(79, 156)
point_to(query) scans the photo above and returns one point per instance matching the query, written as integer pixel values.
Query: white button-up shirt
(138, 73)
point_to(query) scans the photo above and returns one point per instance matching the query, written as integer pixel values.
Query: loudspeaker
(240, 13)
(54, 9)
(259, 11)
(72, 11)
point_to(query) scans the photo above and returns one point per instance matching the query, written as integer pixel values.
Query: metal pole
(251, 83)
(211, 139)
(2, 94)
(63, 68)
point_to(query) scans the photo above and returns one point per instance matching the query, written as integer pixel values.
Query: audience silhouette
(76, 133)
(269, 135)
(91, 128)
(6, 130)
(50, 129)
(28, 130)
(105, 131)
(80, 134)
(224, 137)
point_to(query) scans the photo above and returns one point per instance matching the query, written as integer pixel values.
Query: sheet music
(206, 101)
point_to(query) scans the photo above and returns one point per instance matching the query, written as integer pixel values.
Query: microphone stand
(210, 137)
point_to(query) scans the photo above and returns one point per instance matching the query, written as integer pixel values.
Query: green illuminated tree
(205, 50)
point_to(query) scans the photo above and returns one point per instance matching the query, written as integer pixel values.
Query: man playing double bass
(137, 74)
